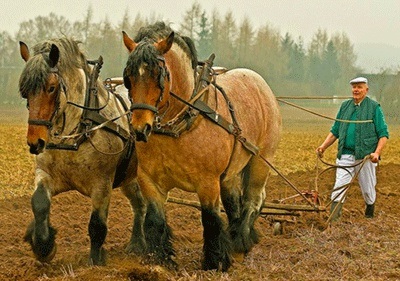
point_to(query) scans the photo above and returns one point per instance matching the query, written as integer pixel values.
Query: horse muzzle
(142, 134)
(37, 137)
(37, 147)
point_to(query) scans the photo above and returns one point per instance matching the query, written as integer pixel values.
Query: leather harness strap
(200, 106)
(91, 113)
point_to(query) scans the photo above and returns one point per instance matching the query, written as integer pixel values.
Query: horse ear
(129, 43)
(24, 51)
(54, 55)
(164, 45)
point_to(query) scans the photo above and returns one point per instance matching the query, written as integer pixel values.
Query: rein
(196, 105)
(232, 128)
(323, 116)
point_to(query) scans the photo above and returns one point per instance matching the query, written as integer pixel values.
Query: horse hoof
(136, 248)
(238, 257)
(49, 257)
(99, 259)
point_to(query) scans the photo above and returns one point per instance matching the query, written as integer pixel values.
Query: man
(357, 140)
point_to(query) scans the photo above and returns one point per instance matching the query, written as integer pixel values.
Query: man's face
(359, 91)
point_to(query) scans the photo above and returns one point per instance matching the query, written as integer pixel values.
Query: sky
(372, 25)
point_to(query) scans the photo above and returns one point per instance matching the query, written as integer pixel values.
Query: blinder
(127, 82)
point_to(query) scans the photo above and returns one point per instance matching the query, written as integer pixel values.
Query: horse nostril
(38, 147)
(41, 144)
(147, 130)
(32, 150)
(143, 135)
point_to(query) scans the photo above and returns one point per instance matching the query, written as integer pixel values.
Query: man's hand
(320, 151)
(374, 157)
(327, 142)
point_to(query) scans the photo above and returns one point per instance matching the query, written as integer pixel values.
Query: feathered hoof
(98, 259)
(49, 257)
(138, 248)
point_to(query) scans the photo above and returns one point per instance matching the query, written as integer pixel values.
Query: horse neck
(182, 79)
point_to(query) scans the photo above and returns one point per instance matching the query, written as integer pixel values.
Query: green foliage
(323, 67)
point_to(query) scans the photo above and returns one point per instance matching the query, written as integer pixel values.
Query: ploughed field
(308, 248)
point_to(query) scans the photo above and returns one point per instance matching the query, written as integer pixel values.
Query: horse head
(147, 78)
(41, 85)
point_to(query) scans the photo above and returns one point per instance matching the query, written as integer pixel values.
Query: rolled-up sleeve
(381, 127)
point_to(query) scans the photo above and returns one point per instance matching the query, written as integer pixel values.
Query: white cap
(359, 80)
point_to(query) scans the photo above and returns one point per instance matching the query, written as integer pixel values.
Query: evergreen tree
(215, 36)
(244, 43)
(10, 64)
(226, 43)
(43, 28)
(204, 37)
(297, 64)
(316, 50)
(347, 61)
(268, 57)
(330, 69)
(190, 24)
(87, 23)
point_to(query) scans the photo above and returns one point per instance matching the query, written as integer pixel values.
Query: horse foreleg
(217, 247)
(158, 235)
(137, 243)
(98, 229)
(40, 235)
(244, 235)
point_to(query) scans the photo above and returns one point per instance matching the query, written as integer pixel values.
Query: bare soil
(355, 248)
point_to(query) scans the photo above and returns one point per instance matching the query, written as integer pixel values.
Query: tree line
(322, 67)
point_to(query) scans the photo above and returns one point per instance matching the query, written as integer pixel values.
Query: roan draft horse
(66, 101)
(201, 141)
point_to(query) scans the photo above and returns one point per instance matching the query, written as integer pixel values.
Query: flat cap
(359, 80)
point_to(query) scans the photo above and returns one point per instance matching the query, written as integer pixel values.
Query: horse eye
(52, 89)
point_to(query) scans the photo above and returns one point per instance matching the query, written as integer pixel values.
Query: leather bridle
(49, 123)
(163, 74)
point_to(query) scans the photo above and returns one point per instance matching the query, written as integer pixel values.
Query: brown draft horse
(206, 159)
(62, 93)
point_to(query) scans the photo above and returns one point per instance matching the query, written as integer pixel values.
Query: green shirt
(356, 138)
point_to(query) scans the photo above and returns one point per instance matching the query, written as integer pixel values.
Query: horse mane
(35, 73)
(160, 30)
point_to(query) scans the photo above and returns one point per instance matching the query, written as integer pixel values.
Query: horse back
(255, 107)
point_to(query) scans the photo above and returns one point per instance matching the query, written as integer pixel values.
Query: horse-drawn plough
(89, 138)
(311, 200)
